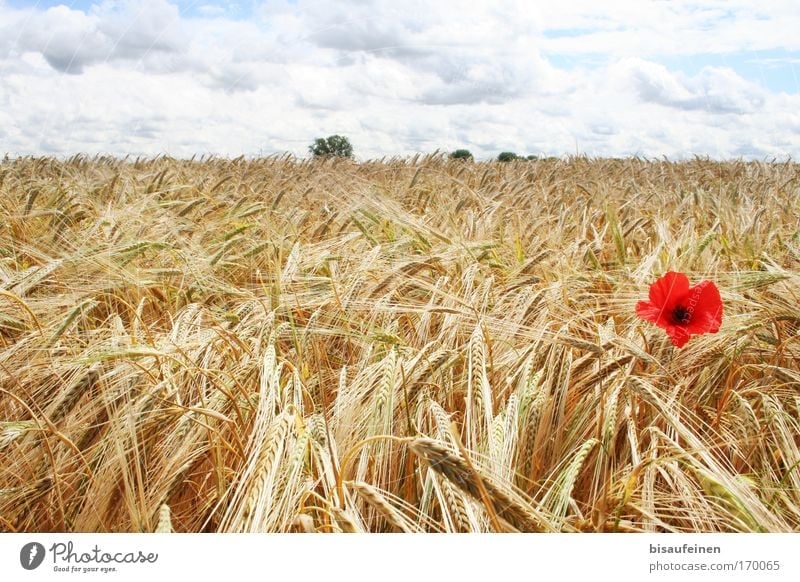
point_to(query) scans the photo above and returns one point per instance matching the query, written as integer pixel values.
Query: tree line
(339, 146)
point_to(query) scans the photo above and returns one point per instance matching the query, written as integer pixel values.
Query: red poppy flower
(681, 310)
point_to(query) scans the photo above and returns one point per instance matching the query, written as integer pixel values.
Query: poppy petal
(706, 304)
(682, 311)
(646, 310)
(669, 289)
(678, 335)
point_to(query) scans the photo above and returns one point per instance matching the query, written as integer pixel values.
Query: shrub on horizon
(507, 157)
(333, 145)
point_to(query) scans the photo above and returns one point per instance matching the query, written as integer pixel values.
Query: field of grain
(399, 345)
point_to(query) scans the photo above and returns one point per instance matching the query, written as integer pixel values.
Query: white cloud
(651, 28)
(71, 39)
(140, 77)
(714, 90)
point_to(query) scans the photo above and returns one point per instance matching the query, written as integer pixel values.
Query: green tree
(333, 145)
(461, 155)
(507, 157)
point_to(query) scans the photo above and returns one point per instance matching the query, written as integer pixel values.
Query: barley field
(402, 345)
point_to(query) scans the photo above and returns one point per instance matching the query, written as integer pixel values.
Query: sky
(715, 78)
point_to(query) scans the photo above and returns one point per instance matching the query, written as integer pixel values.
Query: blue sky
(776, 70)
(240, 9)
(716, 77)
